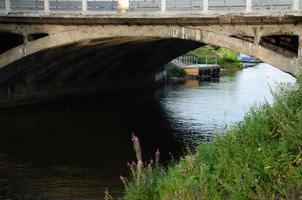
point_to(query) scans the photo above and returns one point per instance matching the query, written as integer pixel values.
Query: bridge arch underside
(89, 67)
(56, 61)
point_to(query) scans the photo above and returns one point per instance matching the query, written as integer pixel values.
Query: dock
(202, 70)
(198, 68)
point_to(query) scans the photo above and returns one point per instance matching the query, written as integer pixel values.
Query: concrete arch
(87, 33)
(84, 60)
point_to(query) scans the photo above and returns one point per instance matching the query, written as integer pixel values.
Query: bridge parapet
(100, 6)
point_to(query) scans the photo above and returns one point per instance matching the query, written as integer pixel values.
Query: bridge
(56, 48)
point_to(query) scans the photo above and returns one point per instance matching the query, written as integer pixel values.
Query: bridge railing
(272, 4)
(184, 5)
(27, 5)
(105, 5)
(2, 4)
(227, 4)
(70, 5)
(205, 6)
(145, 5)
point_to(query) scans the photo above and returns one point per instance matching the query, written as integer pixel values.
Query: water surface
(74, 151)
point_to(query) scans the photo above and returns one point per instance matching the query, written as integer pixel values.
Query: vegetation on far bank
(175, 71)
(260, 158)
(226, 58)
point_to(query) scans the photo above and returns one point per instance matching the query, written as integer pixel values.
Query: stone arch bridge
(44, 58)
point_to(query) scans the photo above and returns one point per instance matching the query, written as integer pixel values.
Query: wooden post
(7, 6)
(296, 4)
(46, 6)
(163, 6)
(84, 5)
(205, 7)
(249, 6)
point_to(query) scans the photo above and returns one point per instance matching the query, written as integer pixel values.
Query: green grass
(176, 72)
(226, 58)
(260, 158)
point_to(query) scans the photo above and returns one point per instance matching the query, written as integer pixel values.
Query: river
(74, 151)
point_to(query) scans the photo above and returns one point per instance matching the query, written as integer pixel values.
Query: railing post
(46, 6)
(205, 6)
(163, 6)
(7, 6)
(296, 4)
(84, 5)
(249, 5)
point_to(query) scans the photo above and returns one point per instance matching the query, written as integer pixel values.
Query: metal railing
(108, 5)
(65, 5)
(184, 4)
(145, 5)
(148, 5)
(272, 4)
(227, 5)
(2, 4)
(194, 60)
(26, 5)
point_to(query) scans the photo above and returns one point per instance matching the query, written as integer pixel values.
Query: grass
(226, 58)
(176, 72)
(260, 158)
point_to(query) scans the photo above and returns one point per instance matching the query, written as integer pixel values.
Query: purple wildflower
(157, 156)
(124, 180)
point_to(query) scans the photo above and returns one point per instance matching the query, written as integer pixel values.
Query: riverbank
(226, 58)
(177, 74)
(209, 56)
(260, 158)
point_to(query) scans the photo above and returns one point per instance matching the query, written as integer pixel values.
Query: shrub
(176, 72)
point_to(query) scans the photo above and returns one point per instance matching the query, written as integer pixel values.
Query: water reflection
(75, 151)
(197, 109)
(58, 152)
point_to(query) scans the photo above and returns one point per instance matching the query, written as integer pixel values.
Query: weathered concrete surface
(89, 67)
(85, 55)
(154, 18)
(61, 35)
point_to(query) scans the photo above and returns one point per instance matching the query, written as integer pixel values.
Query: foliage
(176, 72)
(107, 195)
(144, 175)
(226, 58)
(260, 158)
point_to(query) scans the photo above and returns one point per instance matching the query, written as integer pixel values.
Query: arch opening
(36, 36)
(9, 41)
(287, 45)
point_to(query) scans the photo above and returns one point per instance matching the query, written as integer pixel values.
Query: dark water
(75, 151)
